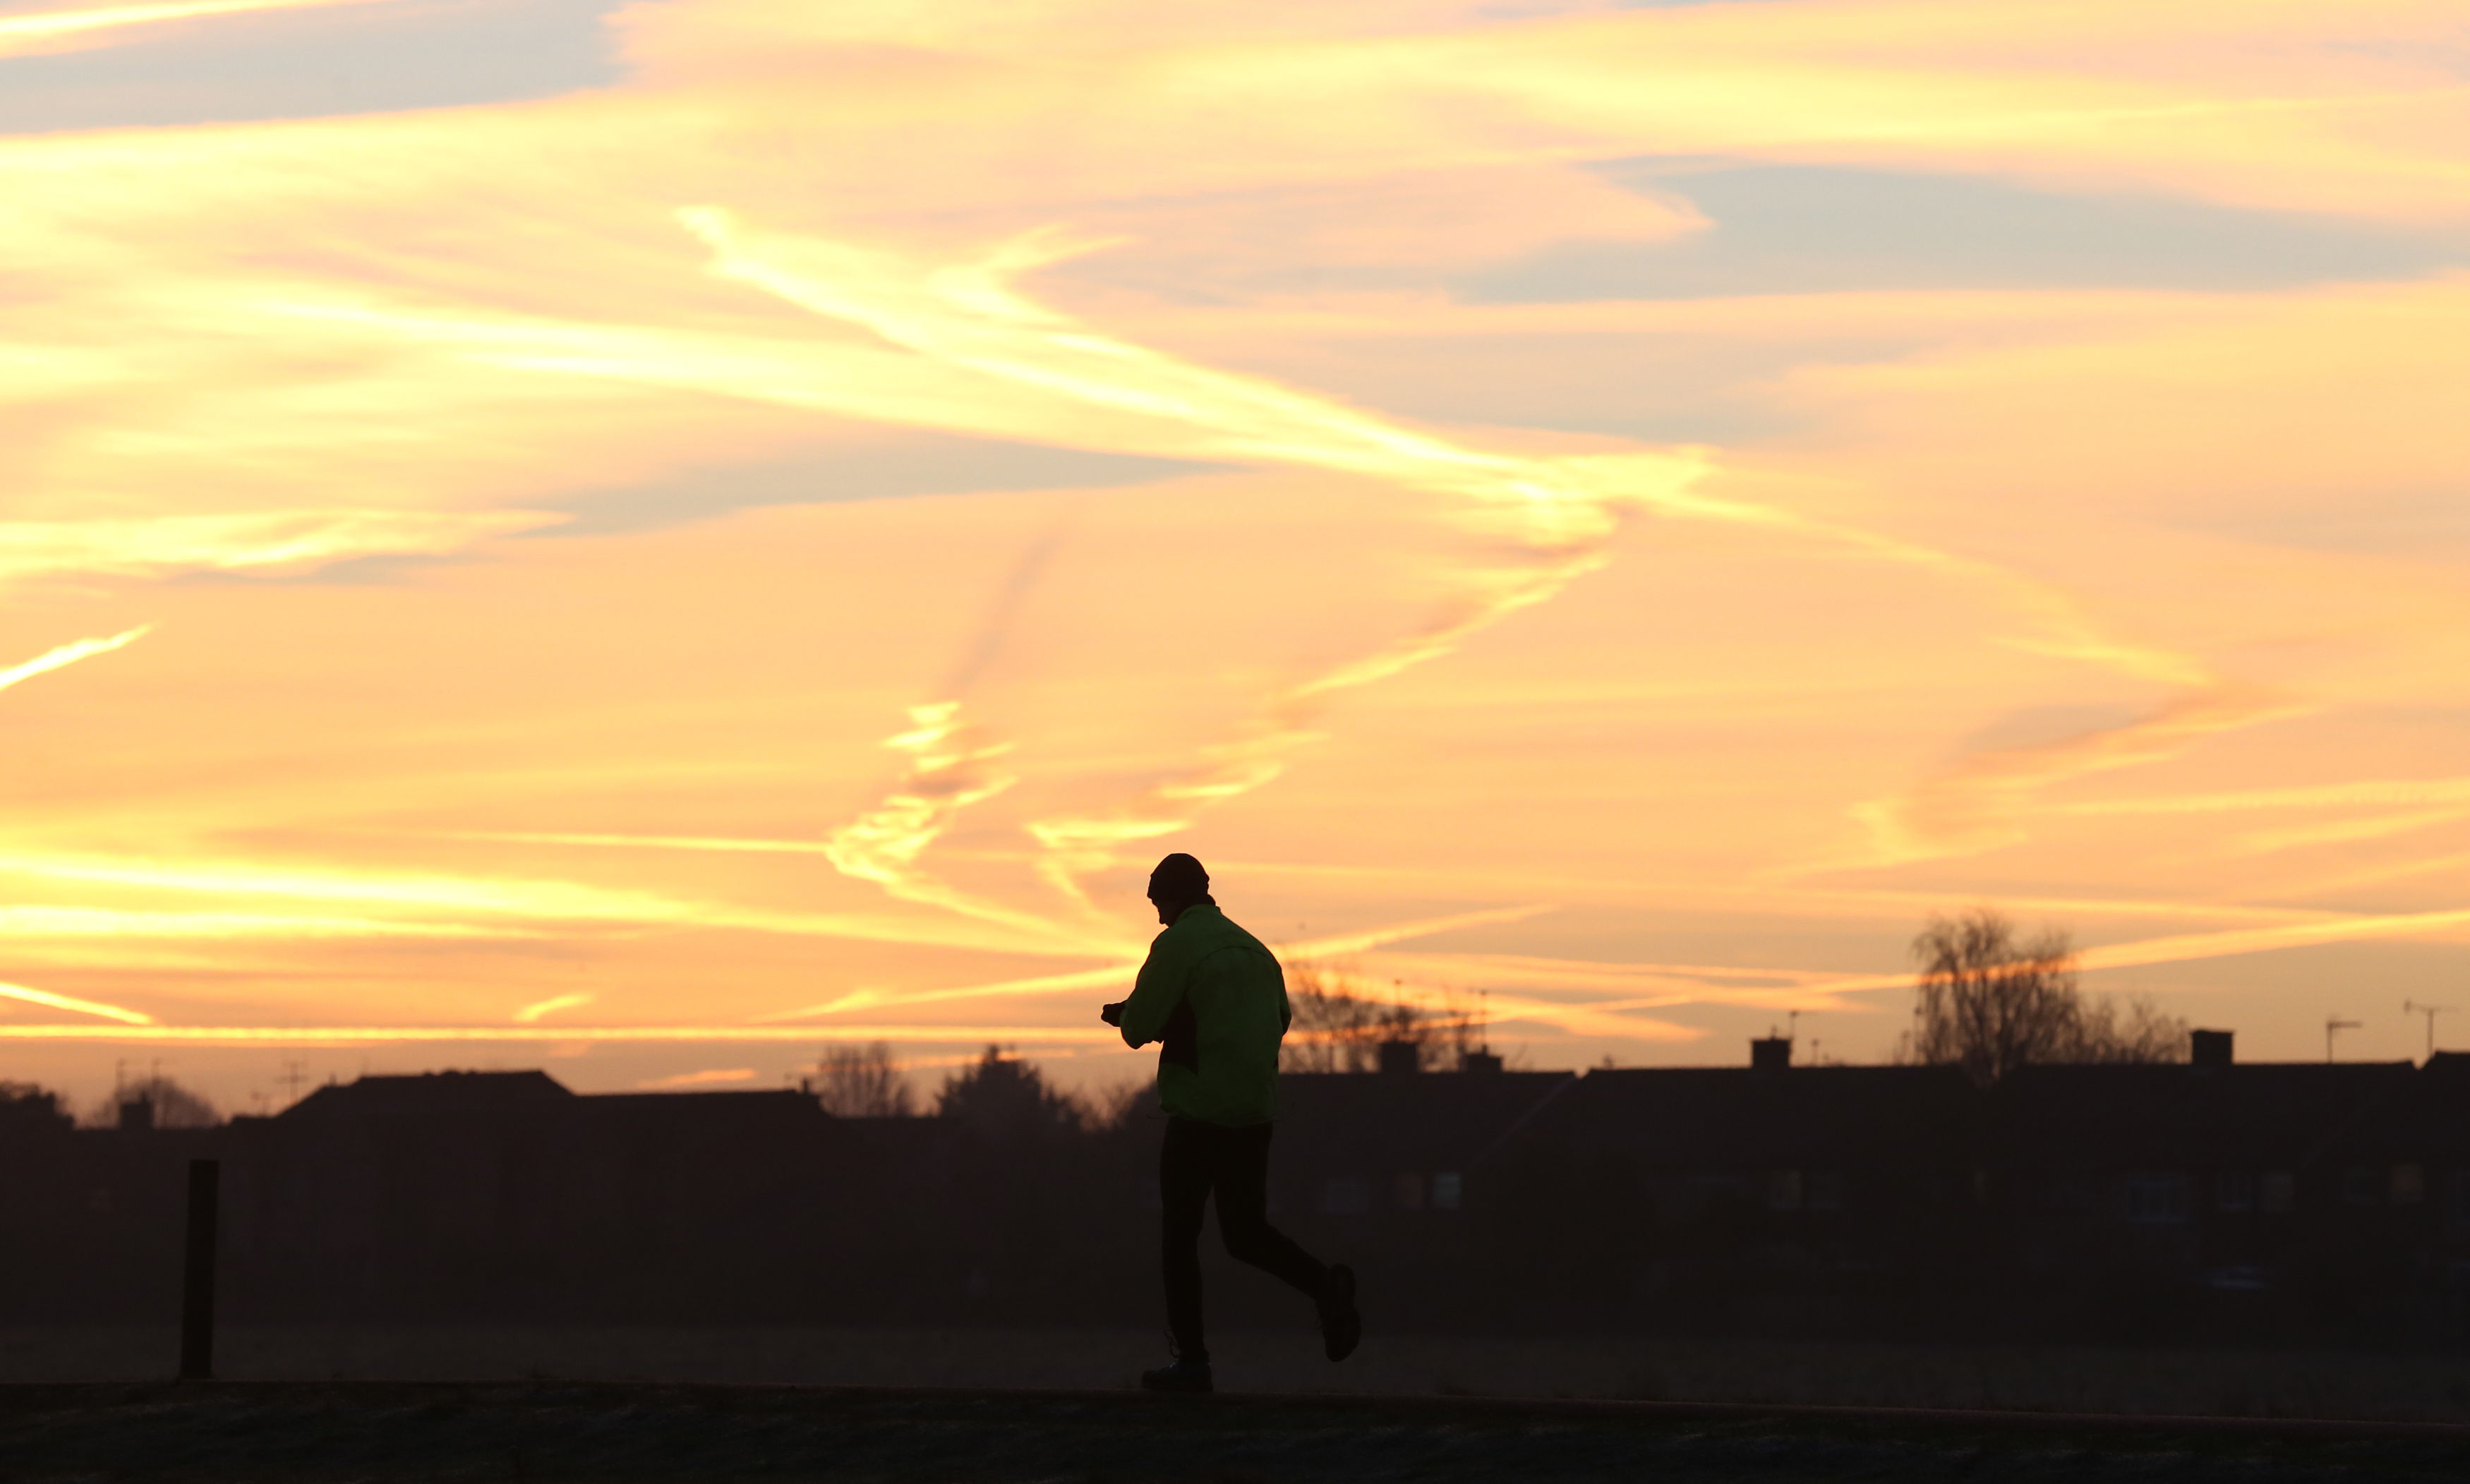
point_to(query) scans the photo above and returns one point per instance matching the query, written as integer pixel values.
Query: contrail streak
(263, 541)
(1602, 1018)
(2266, 939)
(1119, 973)
(51, 1001)
(2378, 827)
(1480, 969)
(2406, 792)
(68, 654)
(1558, 512)
(951, 766)
(1367, 938)
(1808, 989)
(706, 1079)
(981, 359)
(41, 920)
(272, 1035)
(716, 843)
(531, 1014)
(518, 901)
(2190, 947)
(2376, 875)
(1972, 806)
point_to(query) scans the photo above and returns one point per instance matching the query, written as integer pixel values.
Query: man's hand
(1112, 1014)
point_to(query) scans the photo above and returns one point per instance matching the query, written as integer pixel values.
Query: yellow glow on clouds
(1920, 593)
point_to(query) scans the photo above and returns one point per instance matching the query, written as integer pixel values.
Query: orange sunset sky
(644, 539)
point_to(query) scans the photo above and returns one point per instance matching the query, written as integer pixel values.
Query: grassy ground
(2426, 1387)
(375, 1433)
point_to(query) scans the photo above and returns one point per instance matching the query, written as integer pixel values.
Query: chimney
(1771, 1054)
(1478, 1061)
(2208, 1048)
(1401, 1056)
(137, 1115)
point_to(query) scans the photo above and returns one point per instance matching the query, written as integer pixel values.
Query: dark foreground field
(379, 1432)
(2431, 1387)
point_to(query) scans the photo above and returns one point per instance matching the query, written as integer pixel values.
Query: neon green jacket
(1217, 1000)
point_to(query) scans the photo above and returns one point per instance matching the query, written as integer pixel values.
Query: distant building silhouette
(2209, 1199)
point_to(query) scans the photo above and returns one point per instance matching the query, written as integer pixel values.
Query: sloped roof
(773, 1106)
(430, 1092)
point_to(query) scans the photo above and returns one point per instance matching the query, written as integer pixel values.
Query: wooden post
(197, 1276)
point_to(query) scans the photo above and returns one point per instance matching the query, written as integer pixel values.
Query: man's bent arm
(1156, 993)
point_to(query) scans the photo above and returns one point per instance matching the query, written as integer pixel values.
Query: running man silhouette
(1216, 1002)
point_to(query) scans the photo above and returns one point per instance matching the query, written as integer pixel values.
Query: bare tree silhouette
(863, 1082)
(174, 1106)
(1337, 1029)
(1989, 1002)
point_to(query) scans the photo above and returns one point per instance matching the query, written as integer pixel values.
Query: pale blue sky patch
(1811, 229)
(311, 63)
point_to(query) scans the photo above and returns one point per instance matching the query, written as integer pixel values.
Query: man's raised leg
(1244, 1222)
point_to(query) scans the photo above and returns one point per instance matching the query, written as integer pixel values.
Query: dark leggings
(1197, 1159)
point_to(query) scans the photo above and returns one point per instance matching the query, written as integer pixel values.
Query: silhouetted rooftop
(1420, 1122)
(432, 1093)
(774, 1106)
(2175, 1111)
(1719, 1115)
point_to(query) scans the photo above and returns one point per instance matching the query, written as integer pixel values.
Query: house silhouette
(2214, 1201)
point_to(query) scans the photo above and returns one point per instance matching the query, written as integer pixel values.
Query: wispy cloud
(1118, 974)
(273, 542)
(1573, 658)
(2412, 793)
(51, 1001)
(531, 1014)
(66, 655)
(725, 844)
(451, 903)
(710, 1076)
(354, 1035)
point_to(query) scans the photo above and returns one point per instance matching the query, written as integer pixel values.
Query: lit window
(1448, 1190)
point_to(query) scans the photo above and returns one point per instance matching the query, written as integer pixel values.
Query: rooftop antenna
(292, 1078)
(2431, 1011)
(2333, 1023)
